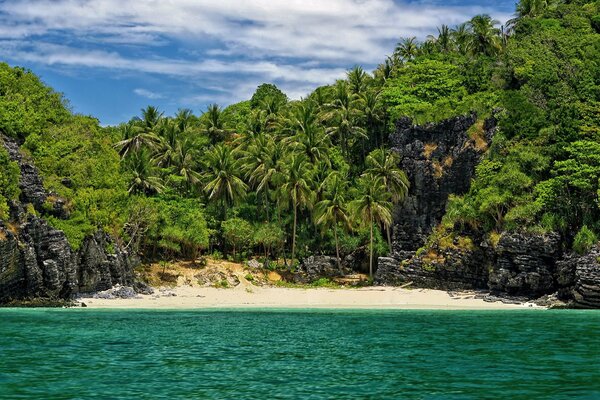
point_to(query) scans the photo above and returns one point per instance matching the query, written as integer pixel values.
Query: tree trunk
(294, 234)
(389, 237)
(371, 251)
(337, 245)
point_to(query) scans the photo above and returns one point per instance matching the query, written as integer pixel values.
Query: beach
(249, 296)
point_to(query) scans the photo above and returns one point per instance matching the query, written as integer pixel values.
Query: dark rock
(117, 292)
(315, 267)
(439, 160)
(37, 261)
(579, 278)
(142, 288)
(525, 264)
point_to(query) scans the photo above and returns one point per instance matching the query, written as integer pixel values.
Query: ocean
(299, 354)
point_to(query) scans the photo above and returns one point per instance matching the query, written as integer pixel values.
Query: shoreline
(270, 297)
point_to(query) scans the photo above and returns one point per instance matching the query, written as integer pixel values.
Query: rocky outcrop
(37, 261)
(525, 264)
(315, 267)
(439, 160)
(579, 279)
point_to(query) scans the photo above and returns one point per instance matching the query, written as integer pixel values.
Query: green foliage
(9, 181)
(28, 106)
(238, 233)
(584, 240)
(266, 92)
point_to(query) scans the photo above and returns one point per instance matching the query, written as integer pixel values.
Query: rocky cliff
(37, 261)
(440, 160)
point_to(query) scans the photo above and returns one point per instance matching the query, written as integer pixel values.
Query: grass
(429, 149)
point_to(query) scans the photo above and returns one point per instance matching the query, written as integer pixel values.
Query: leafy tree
(238, 233)
(268, 91)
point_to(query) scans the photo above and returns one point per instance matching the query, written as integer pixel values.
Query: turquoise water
(105, 354)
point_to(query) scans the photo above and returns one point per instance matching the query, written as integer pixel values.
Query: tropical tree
(485, 37)
(213, 124)
(383, 164)
(297, 188)
(407, 48)
(144, 175)
(372, 206)
(308, 133)
(223, 183)
(343, 117)
(461, 37)
(443, 41)
(334, 209)
(357, 78)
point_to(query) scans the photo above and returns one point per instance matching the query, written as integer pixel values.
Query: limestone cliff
(440, 160)
(37, 261)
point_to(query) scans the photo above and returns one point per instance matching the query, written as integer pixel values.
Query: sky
(113, 57)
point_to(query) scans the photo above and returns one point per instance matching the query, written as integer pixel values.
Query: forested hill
(284, 179)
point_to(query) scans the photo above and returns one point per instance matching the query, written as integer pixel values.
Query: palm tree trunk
(337, 245)
(294, 233)
(389, 238)
(371, 250)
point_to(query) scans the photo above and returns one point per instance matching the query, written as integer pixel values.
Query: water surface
(299, 354)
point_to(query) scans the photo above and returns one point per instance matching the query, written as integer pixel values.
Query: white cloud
(236, 44)
(147, 93)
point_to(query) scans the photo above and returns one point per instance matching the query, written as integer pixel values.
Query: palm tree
(140, 132)
(261, 165)
(214, 124)
(297, 187)
(461, 36)
(333, 209)
(357, 78)
(343, 117)
(407, 48)
(223, 183)
(308, 133)
(384, 71)
(383, 165)
(528, 9)
(485, 37)
(184, 162)
(373, 115)
(372, 207)
(443, 41)
(144, 176)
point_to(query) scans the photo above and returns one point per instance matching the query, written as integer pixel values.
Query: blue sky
(112, 57)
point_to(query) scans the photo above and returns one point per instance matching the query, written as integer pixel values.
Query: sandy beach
(245, 296)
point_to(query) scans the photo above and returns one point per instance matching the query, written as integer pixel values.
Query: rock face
(579, 278)
(525, 264)
(439, 160)
(36, 260)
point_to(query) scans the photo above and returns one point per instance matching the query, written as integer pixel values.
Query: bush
(584, 240)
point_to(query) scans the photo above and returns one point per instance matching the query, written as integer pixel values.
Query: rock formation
(37, 261)
(440, 160)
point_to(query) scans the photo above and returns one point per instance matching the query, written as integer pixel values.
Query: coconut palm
(343, 117)
(222, 176)
(308, 135)
(333, 209)
(485, 37)
(144, 175)
(461, 37)
(297, 188)
(184, 162)
(372, 206)
(407, 48)
(214, 124)
(372, 114)
(140, 132)
(383, 164)
(443, 41)
(357, 78)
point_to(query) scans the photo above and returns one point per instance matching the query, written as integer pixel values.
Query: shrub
(584, 240)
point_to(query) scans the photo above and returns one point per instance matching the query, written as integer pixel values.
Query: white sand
(249, 296)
